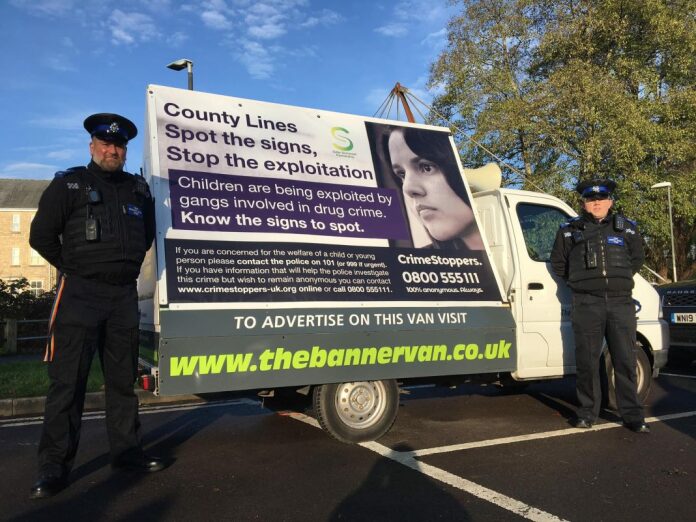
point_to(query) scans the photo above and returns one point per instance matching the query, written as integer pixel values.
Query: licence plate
(684, 318)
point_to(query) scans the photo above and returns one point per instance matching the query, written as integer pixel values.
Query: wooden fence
(23, 336)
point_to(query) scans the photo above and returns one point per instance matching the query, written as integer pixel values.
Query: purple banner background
(391, 226)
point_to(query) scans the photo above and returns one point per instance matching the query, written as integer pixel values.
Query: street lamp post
(668, 186)
(184, 63)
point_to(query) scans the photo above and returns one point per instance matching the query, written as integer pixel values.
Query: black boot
(48, 485)
(137, 460)
(638, 426)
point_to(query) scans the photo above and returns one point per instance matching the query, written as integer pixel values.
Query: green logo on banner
(341, 142)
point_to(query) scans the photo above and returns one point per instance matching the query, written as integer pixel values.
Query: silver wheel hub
(640, 377)
(360, 404)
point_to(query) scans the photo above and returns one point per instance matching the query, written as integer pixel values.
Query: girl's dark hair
(434, 147)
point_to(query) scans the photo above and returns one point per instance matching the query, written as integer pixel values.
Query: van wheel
(356, 411)
(643, 378)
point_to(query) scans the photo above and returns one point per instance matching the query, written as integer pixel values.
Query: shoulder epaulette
(141, 186)
(67, 172)
(621, 222)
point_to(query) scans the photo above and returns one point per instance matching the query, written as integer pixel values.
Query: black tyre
(356, 411)
(643, 378)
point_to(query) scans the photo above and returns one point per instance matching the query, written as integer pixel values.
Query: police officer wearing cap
(597, 254)
(94, 224)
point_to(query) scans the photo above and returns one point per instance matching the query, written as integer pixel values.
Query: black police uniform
(95, 227)
(598, 260)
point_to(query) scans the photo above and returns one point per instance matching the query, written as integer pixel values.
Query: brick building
(19, 199)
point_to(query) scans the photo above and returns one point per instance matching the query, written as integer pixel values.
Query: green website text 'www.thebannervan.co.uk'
(281, 359)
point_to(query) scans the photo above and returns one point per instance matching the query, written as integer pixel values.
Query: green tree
(18, 302)
(606, 88)
(486, 90)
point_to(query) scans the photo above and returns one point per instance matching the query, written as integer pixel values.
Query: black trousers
(92, 316)
(594, 319)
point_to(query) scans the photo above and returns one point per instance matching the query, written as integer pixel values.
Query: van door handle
(535, 286)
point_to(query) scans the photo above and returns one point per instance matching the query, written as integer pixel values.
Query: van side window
(539, 225)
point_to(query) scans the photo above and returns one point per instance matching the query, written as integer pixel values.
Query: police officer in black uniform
(94, 224)
(597, 254)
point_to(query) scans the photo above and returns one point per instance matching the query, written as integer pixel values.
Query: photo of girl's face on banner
(422, 165)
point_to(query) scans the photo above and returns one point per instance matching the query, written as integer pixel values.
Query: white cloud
(45, 7)
(215, 14)
(326, 17)
(394, 29)
(436, 40)
(61, 60)
(215, 20)
(267, 31)
(28, 171)
(176, 39)
(157, 6)
(406, 10)
(287, 4)
(256, 59)
(411, 17)
(264, 21)
(261, 10)
(128, 28)
(376, 96)
(66, 41)
(60, 63)
(216, 5)
(307, 51)
(312, 21)
(65, 154)
(65, 121)
(281, 5)
(420, 10)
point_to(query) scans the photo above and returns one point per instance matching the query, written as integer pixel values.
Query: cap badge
(113, 128)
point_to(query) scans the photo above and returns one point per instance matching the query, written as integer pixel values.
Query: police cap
(110, 127)
(593, 187)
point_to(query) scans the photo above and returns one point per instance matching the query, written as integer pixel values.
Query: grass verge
(30, 379)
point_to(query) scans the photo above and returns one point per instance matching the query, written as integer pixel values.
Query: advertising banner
(264, 207)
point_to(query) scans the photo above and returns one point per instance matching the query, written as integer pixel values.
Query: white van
(292, 251)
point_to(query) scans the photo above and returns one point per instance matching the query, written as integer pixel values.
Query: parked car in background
(679, 309)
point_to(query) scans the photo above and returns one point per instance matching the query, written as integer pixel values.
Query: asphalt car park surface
(470, 453)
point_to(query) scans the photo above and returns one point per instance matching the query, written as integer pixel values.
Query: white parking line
(484, 493)
(678, 375)
(477, 490)
(536, 436)
(144, 410)
(406, 458)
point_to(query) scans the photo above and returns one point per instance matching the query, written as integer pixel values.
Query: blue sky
(65, 59)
